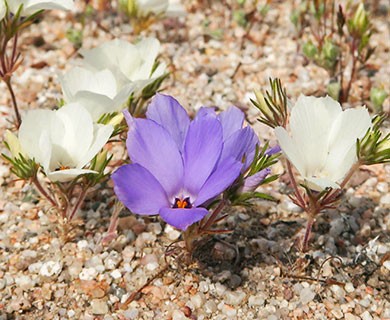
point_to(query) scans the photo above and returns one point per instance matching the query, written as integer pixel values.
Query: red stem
(42, 190)
(295, 186)
(213, 216)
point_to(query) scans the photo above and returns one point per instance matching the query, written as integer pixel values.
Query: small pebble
(50, 268)
(88, 274)
(366, 315)
(99, 306)
(306, 295)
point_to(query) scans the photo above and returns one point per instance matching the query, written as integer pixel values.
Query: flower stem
(295, 186)
(213, 216)
(79, 202)
(43, 191)
(305, 241)
(14, 103)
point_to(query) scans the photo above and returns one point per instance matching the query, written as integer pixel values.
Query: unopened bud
(116, 120)
(13, 144)
(262, 104)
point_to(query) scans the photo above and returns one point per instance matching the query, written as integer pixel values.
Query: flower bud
(334, 90)
(359, 23)
(116, 120)
(377, 97)
(13, 144)
(309, 50)
(101, 161)
(262, 104)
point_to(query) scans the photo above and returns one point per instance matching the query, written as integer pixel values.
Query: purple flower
(179, 164)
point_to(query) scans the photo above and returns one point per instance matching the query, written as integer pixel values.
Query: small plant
(15, 16)
(143, 13)
(338, 40)
(188, 171)
(326, 146)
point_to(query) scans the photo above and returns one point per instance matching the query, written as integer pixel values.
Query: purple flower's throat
(182, 203)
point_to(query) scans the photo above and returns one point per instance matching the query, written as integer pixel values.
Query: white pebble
(256, 301)
(71, 313)
(349, 287)
(235, 297)
(306, 295)
(116, 274)
(198, 300)
(366, 315)
(35, 267)
(131, 314)
(210, 306)
(24, 282)
(88, 274)
(50, 268)
(178, 315)
(82, 244)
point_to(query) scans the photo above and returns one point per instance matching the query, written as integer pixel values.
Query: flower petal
(202, 150)
(241, 142)
(34, 123)
(253, 181)
(232, 120)
(78, 135)
(167, 112)
(319, 184)
(310, 122)
(139, 190)
(182, 218)
(150, 145)
(347, 128)
(224, 175)
(290, 149)
(100, 137)
(67, 175)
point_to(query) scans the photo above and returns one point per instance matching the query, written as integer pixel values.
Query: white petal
(148, 49)
(67, 175)
(78, 130)
(310, 123)
(31, 6)
(347, 128)
(80, 79)
(175, 9)
(31, 129)
(101, 135)
(290, 149)
(319, 184)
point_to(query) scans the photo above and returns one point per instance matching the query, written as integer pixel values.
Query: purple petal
(205, 111)
(182, 218)
(232, 120)
(273, 150)
(167, 112)
(240, 143)
(151, 146)
(139, 190)
(224, 175)
(129, 118)
(252, 182)
(202, 150)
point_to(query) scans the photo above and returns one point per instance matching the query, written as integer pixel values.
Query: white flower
(3, 9)
(129, 63)
(97, 91)
(62, 141)
(32, 6)
(323, 138)
(145, 8)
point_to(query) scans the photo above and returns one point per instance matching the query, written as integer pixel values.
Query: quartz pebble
(50, 268)
(306, 295)
(99, 306)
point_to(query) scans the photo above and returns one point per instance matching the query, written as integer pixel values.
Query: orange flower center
(182, 203)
